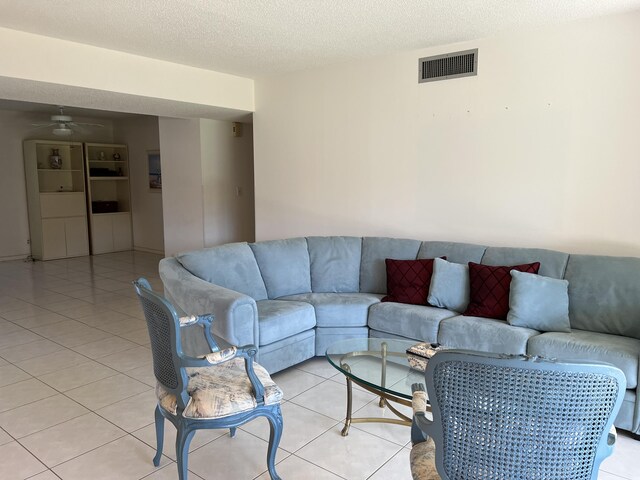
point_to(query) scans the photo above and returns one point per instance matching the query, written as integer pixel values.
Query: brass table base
(385, 397)
(385, 400)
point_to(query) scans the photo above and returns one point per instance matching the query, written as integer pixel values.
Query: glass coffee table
(380, 366)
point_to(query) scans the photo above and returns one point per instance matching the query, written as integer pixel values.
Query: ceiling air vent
(447, 66)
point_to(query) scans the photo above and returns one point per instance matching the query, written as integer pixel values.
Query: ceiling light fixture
(62, 130)
(62, 124)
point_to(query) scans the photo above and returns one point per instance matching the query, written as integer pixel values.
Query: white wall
(540, 149)
(15, 127)
(141, 135)
(182, 208)
(227, 165)
(202, 164)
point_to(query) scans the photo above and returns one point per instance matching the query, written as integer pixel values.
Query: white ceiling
(261, 37)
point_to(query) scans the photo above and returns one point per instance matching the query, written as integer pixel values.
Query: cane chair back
(516, 417)
(164, 333)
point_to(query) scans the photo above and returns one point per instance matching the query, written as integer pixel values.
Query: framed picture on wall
(155, 171)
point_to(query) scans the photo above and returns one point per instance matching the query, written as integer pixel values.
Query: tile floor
(76, 393)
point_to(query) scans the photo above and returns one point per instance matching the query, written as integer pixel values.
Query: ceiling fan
(62, 123)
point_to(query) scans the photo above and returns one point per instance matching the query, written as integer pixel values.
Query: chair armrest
(236, 314)
(205, 321)
(248, 352)
(419, 400)
(221, 356)
(213, 358)
(420, 422)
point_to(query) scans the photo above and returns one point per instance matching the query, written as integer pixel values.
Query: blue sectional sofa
(294, 297)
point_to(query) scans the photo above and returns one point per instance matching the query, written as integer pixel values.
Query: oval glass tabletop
(380, 363)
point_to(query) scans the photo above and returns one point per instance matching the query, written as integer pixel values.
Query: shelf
(56, 199)
(110, 213)
(108, 178)
(108, 197)
(59, 192)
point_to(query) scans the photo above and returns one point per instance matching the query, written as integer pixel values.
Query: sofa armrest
(235, 314)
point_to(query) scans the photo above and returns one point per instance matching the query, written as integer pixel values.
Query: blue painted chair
(513, 417)
(223, 389)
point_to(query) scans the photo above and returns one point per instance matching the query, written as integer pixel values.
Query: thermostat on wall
(237, 129)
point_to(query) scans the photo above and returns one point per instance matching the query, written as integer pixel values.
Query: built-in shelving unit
(108, 197)
(54, 174)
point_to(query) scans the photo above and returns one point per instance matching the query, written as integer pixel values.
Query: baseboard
(24, 256)
(148, 250)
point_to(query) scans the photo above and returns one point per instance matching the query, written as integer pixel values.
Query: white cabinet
(108, 197)
(121, 224)
(65, 237)
(56, 199)
(75, 235)
(110, 232)
(55, 245)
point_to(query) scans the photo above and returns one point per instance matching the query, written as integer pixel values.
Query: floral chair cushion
(220, 391)
(423, 461)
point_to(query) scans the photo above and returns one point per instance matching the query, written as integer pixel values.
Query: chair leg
(232, 432)
(183, 440)
(159, 436)
(275, 422)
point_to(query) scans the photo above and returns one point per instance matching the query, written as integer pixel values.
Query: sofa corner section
(236, 314)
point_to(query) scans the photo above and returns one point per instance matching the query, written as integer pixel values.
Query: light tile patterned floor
(76, 393)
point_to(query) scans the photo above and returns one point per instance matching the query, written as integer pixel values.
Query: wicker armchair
(513, 417)
(222, 389)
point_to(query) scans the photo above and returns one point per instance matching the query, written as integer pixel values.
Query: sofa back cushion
(604, 294)
(373, 272)
(335, 264)
(284, 265)
(231, 266)
(454, 252)
(552, 264)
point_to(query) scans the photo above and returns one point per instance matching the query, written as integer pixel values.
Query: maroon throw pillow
(408, 281)
(489, 289)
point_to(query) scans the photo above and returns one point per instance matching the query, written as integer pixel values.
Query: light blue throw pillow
(449, 285)
(538, 302)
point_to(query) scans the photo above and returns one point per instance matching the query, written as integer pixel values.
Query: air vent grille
(447, 66)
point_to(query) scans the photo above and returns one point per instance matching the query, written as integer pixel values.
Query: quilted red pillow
(489, 289)
(408, 281)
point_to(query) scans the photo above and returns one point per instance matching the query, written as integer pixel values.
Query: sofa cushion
(449, 285)
(231, 266)
(552, 264)
(489, 289)
(604, 294)
(538, 302)
(335, 263)
(454, 252)
(484, 335)
(284, 265)
(280, 319)
(590, 346)
(338, 309)
(373, 273)
(408, 280)
(410, 321)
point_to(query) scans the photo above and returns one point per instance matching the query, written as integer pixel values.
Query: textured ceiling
(260, 37)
